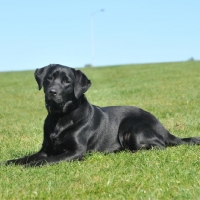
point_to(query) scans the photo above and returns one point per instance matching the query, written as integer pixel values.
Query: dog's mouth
(58, 107)
(54, 107)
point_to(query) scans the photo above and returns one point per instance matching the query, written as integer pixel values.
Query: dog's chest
(60, 135)
(58, 143)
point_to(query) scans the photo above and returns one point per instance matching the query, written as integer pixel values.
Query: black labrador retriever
(73, 126)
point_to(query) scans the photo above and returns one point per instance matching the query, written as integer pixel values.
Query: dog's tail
(174, 141)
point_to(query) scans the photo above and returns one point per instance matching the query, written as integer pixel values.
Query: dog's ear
(81, 83)
(40, 74)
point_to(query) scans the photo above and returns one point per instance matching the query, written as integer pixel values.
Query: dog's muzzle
(53, 107)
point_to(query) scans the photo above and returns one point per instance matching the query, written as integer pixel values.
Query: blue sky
(39, 32)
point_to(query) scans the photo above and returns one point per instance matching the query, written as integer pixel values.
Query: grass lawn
(171, 91)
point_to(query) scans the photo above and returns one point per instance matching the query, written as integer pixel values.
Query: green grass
(171, 91)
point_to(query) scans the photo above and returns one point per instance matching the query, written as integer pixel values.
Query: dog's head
(62, 86)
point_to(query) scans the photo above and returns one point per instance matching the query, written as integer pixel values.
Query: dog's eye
(65, 80)
(50, 78)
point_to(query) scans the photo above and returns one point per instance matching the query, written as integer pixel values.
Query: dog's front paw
(36, 163)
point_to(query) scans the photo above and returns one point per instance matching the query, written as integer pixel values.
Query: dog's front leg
(27, 159)
(67, 156)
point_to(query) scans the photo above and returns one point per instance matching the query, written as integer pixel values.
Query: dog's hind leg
(145, 138)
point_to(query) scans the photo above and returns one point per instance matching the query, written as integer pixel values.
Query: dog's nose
(53, 92)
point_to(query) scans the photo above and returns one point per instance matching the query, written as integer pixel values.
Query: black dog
(73, 126)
